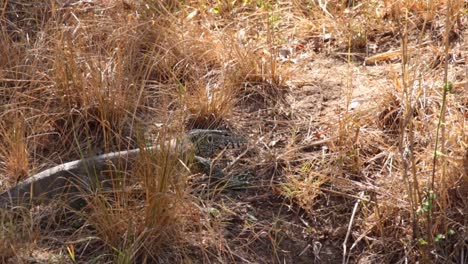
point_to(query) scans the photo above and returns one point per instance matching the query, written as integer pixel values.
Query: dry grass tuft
(18, 233)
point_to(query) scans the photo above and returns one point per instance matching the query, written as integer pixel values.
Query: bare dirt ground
(317, 97)
(321, 91)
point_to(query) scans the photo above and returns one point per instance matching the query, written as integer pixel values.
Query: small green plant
(274, 20)
(422, 242)
(265, 5)
(428, 203)
(439, 238)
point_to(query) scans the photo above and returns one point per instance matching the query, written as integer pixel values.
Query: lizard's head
(207, 142)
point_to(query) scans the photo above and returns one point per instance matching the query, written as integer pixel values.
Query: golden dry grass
(79, 78)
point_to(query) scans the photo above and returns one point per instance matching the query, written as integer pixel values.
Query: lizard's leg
(208, 168)
(239, 181)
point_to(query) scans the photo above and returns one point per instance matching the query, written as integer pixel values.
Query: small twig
(237, 159)
(317, 143)
(345, 260)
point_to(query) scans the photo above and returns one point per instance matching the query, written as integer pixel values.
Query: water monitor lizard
(66, 178)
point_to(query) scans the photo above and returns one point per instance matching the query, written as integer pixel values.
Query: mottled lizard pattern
(64, 178)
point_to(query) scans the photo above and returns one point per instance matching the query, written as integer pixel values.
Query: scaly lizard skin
(66, 179)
